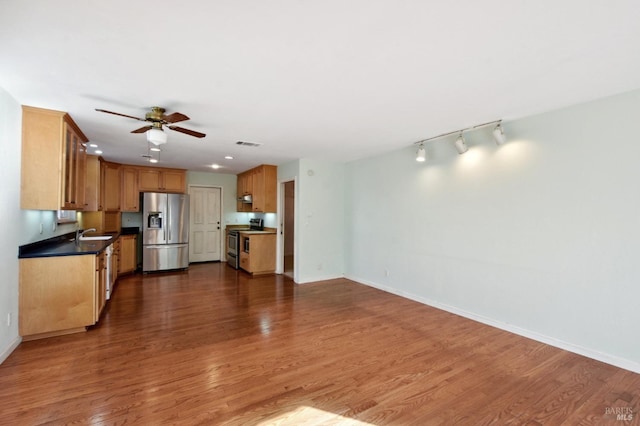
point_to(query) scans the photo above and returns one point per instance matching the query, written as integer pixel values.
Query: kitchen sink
(96, 238)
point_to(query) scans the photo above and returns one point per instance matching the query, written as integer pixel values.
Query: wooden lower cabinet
(261, 258)
(128, 257)
(58, 295)
(100, 285)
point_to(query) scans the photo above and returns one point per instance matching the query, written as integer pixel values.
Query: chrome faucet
(80, 234)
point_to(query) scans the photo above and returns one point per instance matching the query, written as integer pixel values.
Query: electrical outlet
(41, 228)
(386, 272)
(8, 319)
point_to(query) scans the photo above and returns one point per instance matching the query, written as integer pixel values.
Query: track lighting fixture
(461, 145)
(498, 134)
(421, 154)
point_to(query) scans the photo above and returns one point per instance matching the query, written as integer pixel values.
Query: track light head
(461, 145)
(498, 134)
(421, 155)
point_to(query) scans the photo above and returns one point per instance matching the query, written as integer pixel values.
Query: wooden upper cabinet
(75, 165)
(156, 179)
(111, 186)
(92, 202)
(244, 187)
(53, 161)
(130, 192)
(174, 180)
(261, 183)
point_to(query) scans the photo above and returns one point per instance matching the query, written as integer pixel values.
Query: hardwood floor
(215, 346)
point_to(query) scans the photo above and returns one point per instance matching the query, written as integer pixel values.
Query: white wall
(319, 218)
(540, 236)
(10, 141)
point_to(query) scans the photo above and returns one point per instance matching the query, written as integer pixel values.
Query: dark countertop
(257, 232)
(64, 245)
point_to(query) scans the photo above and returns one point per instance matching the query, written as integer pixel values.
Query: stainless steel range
(233, 241)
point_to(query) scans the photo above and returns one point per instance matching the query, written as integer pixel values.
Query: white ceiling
(335, 80)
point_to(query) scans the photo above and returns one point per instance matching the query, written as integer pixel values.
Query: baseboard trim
(561, 344)
(9, 349)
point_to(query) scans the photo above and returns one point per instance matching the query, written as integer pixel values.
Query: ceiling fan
(157, 118)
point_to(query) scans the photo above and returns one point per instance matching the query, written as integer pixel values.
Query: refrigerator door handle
(170, 218)
(165, 246)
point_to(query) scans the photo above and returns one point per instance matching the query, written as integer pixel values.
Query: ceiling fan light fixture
(156, 136)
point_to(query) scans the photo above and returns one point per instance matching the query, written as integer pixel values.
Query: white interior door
(205, 238)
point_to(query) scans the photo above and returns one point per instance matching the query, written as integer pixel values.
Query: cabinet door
(239, 191)
(128, 254)
(149, 179)
(68, 188)
(92, 185)
(57, 294)
(130, 192)
(245, 262)
(258, 190)
(173, 181)
(74, 169)
(81, 170)
(115, 261)
(111, 187)
(100, 286)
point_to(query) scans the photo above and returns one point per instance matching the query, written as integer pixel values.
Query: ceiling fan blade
(187, 131)
(122, 115)
(175, 117)
(142, 129)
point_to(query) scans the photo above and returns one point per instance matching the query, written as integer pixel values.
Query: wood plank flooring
(215, 346)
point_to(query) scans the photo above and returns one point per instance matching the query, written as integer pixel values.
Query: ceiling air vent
(254, 144)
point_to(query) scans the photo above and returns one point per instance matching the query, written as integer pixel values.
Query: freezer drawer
(165, 257)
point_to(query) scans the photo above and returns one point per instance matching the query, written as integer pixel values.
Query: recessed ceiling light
(93, 145)
(228, 157)
(155, 148)
(153, 160)
(98, 151)
(215, 166)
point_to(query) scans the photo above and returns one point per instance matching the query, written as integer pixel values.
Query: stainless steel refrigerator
(165, 231)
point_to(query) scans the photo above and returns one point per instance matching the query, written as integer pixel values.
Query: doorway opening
(287, 228)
